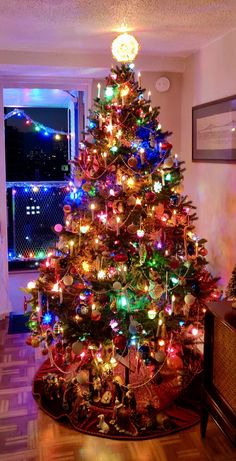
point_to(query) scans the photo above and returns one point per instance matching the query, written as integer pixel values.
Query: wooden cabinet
(219, 377)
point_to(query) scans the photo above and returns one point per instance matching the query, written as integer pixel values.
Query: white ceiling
(169, 27)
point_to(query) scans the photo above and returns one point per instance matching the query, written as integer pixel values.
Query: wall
(18, 280)
(211, 74)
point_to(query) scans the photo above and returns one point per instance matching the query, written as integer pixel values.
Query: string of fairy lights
(38, 126)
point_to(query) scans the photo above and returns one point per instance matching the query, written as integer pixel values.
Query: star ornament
(125, 48)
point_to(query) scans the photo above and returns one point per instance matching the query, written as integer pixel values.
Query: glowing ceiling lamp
(125, 48)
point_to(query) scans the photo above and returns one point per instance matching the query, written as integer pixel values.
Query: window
(39, 143)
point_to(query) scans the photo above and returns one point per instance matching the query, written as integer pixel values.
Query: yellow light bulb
(85, 266)
(130, 182)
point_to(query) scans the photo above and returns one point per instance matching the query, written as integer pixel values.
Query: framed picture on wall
(214, 131)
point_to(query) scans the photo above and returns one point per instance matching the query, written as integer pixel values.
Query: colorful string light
(39, 127)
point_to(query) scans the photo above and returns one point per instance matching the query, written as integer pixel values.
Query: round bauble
(77, 347)
(174, 362)
(35, 341)
(121, 258)
(189, 299)
(120, 342)
(150, 197)
(117, 286)
(67, 209)
(168, 162)
(203, 251)
(96, 315)
(84, 310)
(160, 356)
(174, 263)
(82, 377)
(56, 329)
(155, 290)
(132, 162)
(68, 280)
(58, 228)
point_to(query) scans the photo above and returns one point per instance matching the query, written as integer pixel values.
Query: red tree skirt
(162, 408)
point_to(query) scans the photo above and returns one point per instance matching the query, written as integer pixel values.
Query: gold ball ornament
(68, 280)
(168, 162)
(117, 286)
(82, 377)
(132, 162)
(189, 299)
(125, 48)
(77, 347)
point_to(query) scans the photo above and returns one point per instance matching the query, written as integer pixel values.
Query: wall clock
(162, 84)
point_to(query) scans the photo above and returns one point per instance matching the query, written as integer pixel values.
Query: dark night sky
(55, 118)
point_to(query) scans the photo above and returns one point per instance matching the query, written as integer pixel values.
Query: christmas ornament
(117, 286)
(77, 347)
(82, 377)
(68, 280)
(125, 48)
(189, 299)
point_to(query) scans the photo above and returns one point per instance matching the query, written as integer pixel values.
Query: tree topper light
(125, 48)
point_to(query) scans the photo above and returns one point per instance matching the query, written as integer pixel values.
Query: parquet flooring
(27, 434)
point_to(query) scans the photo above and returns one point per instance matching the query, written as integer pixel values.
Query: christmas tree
(119, 302)
(231, 288)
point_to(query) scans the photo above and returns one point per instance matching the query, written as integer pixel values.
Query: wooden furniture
(219, 377)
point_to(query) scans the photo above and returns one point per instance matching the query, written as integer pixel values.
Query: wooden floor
(27, 434)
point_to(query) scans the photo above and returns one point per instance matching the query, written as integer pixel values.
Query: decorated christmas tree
(231, 288)
(120, 300)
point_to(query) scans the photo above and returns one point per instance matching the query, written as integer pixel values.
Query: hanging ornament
(155, 290)
(203, 251)
(96, 315)
(67, 209)
(120, 342)
(174, 362)
(134, 326)
(58, 228)
(57, 329)
(160, 356)
(68, 280)
(117, 286)
(189, 299)
(168, 163)
(77, 347)
(132, 162)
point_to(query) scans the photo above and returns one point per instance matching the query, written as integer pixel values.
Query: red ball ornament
(120, 258)
(175, 362)
(166, 146)
(67, 209)
(174, 263)
(120, 342)
(150, 197)
(203, 251)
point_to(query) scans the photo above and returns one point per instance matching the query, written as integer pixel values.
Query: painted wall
(211, 74)
(18, 280)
